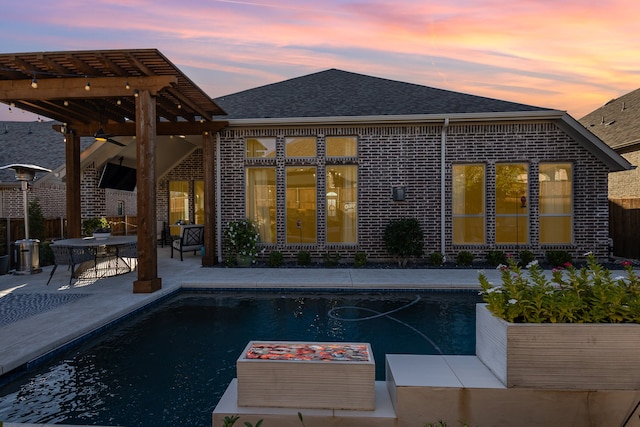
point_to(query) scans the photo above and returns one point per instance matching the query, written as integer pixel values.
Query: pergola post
(148, 280)
(72, 159)
(208, 159)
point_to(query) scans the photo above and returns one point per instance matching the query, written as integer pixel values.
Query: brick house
(617, 123)
(323, 162)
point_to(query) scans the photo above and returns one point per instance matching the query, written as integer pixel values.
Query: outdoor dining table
(118, 247)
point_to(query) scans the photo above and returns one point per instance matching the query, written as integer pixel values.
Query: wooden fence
(624, 227)
(12, 229)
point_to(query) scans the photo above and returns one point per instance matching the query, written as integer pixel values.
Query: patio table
(105, 248)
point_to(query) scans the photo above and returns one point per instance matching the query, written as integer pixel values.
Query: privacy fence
(12, 229)
(624, 227)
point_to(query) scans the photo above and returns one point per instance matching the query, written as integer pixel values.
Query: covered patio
(132, 101)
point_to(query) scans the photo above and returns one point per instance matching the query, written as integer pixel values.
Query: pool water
(170, 365)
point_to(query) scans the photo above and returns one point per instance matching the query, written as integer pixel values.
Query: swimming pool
(171, 364)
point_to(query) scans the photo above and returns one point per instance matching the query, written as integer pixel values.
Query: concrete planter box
(561, 355)
(322, 384)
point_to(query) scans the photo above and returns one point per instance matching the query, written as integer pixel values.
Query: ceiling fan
(100, 135)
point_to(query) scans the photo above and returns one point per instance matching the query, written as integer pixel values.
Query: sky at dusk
(567, 55)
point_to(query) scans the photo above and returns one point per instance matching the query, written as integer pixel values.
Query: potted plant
(241, 240)
(580, 329)
(102, 229)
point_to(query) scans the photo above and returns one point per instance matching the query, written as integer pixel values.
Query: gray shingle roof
(32, 143)
(335, 93)
(617, 122)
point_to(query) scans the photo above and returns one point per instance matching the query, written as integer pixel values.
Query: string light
(34, 82)
(118, 101)
(127, 86)
(66, 103)
(136, 93)
(87, 86)
(179, 106)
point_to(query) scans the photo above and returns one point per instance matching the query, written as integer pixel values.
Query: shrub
(464, 258)
(241, 238)
(558, 258)
(586, 295)
(91, 225)
(403, 239)
(331, 259)
(304, 258)
(36, 221)
(526, 257)
(496, 258)
(275, 259)
(360, 259)
(436, 258)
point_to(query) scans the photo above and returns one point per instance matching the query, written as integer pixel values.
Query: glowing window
(261, 201)
(300, 147)
(341, 146)
(342, 207)
(260, 147)
(468, 204)
(556, 203)
(300, 196)
(512, 212)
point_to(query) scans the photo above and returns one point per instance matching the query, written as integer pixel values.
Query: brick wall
(626, 184)
(409, 156)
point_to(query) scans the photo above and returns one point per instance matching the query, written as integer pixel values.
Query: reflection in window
(178, 201)
(468, 204)
(260, 147)
(342, 209)
(341, 146)
(198, 193)
(301, 204)
(261, 201)
(556, 207)
(512, 213)
(300, 147)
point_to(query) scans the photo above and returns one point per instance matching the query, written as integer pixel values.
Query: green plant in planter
(558, 258)
(464, 258)
(331, 259)
(241, 239)
(276, 259)
(525, 257)
(403, 239)
(95, 225)
(495, 258)
(586, 295)
(360, 259)
(304, 258)
(436, 259)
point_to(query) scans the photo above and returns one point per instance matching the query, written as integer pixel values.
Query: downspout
(443, 199)
(218, 200)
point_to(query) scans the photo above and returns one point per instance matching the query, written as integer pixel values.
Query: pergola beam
(162, 128)
(74, 87)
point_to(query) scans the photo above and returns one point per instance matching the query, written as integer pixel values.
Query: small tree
(36, 221)
(403, 239)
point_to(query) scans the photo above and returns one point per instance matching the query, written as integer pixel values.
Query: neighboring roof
(617, 122)
(17, 146)
(334, 93)
(113, 76)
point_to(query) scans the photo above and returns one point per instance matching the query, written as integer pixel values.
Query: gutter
(399, 119)
(443, 145)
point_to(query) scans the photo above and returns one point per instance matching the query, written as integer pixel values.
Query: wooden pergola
(122, 93)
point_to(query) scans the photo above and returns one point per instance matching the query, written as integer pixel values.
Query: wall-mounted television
(118, 177)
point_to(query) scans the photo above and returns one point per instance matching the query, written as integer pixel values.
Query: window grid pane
(512, 211)
(300, 147)
(468, 204)
(261, 201)
(260, 148)
(342, 209)
(178, 201)
(341, 146)
(301, 204)
(556, 203)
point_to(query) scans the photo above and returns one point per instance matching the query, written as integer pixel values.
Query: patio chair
(191, 239)
(66, 255)
(128, 250)
(162, 232)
